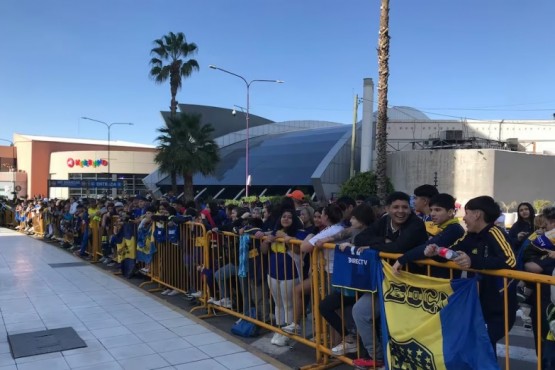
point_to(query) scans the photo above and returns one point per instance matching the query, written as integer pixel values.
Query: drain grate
(68, 264)
(44, 341)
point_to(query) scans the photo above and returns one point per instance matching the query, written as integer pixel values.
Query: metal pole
(247, 145)
(13, 172)
(353, 136)
(248, 84)
(109, 160)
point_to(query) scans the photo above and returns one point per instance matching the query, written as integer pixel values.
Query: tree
(383, 72)
(186, 147)
(364, 183)
(164, 156)
(173, 49)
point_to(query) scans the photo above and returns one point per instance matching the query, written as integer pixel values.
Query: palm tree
(383, 72)
(164, 155)
(173, 49)
(186, 147)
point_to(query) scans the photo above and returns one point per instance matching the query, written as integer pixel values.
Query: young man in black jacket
(487, 247)
(397, 232)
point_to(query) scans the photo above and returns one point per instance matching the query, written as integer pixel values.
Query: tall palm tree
(187, 148)
(173, 49)
(383, 72)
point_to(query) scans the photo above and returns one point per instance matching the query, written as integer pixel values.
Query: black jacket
(411, 234)
(518, 227)
(490, 249)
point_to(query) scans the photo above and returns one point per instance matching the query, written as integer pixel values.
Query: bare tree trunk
(173, 114)
(188, 186)
(173, 177)
(174, 85)
(173, 106)
(383, 71)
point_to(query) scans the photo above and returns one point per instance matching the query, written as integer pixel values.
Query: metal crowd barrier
(315, 332)
(207, 265)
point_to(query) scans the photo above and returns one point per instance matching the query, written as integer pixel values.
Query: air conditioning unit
(451, 135)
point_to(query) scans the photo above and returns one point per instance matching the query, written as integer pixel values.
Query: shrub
(362, 183)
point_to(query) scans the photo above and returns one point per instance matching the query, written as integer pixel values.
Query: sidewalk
(124, 328)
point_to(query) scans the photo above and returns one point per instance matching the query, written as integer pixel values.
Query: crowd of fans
(415, 228)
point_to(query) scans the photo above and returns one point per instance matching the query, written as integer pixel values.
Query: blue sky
(66, 59)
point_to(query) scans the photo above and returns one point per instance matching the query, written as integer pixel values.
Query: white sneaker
(224, 302)
(173, 292)
(292, 328)
(166, 291)
(274, 338)
(211, 300)
(281, 340)
(196, 294)
(344, 348)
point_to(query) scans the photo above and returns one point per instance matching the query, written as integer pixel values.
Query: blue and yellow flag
(432, 323)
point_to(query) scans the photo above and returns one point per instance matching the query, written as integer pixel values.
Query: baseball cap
(296, 194)
(118, 204)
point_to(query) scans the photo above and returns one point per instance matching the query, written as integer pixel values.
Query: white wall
(523, 177)
(462, 173)
(467, 173)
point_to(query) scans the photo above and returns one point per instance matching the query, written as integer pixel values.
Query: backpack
(244, 328)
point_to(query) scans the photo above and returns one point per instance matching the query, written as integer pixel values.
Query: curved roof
(221, 118)
(287, 159)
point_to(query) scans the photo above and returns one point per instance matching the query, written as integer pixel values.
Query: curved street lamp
(248, 85)
(108, 126)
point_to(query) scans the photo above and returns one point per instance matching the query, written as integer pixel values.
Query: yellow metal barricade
(177, 263)
(95, 240)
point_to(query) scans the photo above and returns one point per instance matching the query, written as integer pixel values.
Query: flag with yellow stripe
(432, 323)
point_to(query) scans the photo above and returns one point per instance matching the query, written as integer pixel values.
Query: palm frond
(156, 62)
(188, 68)
(160, 74)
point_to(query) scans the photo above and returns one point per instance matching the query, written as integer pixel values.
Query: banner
(433, 323)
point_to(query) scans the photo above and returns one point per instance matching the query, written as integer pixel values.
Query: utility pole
(353, 136)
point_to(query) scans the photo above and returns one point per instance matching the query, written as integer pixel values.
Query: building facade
(44, 158)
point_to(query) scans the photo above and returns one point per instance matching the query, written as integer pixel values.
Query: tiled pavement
(124, 327)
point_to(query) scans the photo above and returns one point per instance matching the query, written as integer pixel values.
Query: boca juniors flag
(433, 323)
(427, 323)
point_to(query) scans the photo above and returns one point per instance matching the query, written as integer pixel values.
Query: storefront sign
(85, 184)
(71, 162)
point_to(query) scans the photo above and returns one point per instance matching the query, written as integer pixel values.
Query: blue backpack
(244, 328)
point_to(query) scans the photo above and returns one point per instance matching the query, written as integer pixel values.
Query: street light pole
(13, 166)
(108, 126)
(248, 85)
